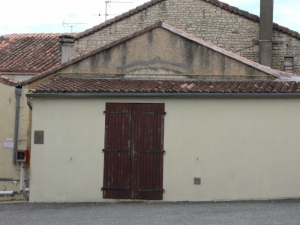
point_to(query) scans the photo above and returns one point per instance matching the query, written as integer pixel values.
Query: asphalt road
(232, 213)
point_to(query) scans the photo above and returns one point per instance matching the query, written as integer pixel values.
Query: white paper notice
(9, 143)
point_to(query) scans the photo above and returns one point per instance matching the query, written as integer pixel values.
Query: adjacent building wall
(10, 173)
(240, 148)
(201, 19)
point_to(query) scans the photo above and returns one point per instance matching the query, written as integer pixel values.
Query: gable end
(151, 3)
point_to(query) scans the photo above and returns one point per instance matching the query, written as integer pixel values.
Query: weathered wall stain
(189, 49)
(150, 37)
(173, 39)
(160, 63)
(142, 17)
(250, 70)
(124, 50)
(94, 62)
(75, 67)
(205, 55)
(223, 64)
(107, 55)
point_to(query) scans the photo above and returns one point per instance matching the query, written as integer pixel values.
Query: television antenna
(105, 15)
(107, 4)
(70, 25)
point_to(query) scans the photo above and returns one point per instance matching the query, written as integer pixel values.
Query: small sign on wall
(38, 137)
(8, 143)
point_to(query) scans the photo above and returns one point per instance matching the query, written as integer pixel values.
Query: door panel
(133, 161)
(149, 151)
(117, 154)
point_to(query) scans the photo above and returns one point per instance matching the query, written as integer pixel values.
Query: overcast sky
(40, 16)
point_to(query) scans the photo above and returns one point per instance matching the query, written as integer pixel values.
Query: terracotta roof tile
(149, 4)
(32, 53)
(82, 85)
(9, 81)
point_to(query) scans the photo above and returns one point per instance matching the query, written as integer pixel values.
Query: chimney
(266, 32)
(66, 42)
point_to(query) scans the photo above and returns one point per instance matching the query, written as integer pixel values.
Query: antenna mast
(107, 4)
(71, 25)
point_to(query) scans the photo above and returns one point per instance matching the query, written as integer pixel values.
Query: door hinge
(152, 113)
(113, 112)
(152, 151)
(116, 150)
(152, 190)
(113, 189)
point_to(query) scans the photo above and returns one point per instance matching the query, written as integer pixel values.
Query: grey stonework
(201, 19)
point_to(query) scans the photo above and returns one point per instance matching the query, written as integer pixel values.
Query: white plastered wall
(240, 148)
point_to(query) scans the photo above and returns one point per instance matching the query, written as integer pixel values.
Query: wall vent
(197, 180)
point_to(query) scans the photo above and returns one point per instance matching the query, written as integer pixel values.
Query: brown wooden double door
(133, 153)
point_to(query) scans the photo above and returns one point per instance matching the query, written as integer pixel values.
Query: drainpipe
(29, 103)
(66, 42)
(266, 32)
(18, 92)
(22, 177)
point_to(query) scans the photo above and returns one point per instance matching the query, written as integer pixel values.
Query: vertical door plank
(149, 127)
(117, 152)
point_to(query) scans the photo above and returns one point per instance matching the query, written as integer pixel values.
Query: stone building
(214, 21)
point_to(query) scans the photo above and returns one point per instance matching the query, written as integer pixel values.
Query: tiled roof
(8, 81)
(80, 85)
(29, 53)
(275, 73)
(217, 3)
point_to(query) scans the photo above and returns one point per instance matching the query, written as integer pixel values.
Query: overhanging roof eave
(163, 95)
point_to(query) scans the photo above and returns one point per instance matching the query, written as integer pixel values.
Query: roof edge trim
(163, 95)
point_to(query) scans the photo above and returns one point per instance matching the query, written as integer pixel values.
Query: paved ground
(229, 213)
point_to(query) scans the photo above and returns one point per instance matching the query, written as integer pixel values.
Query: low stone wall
(13, 197)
